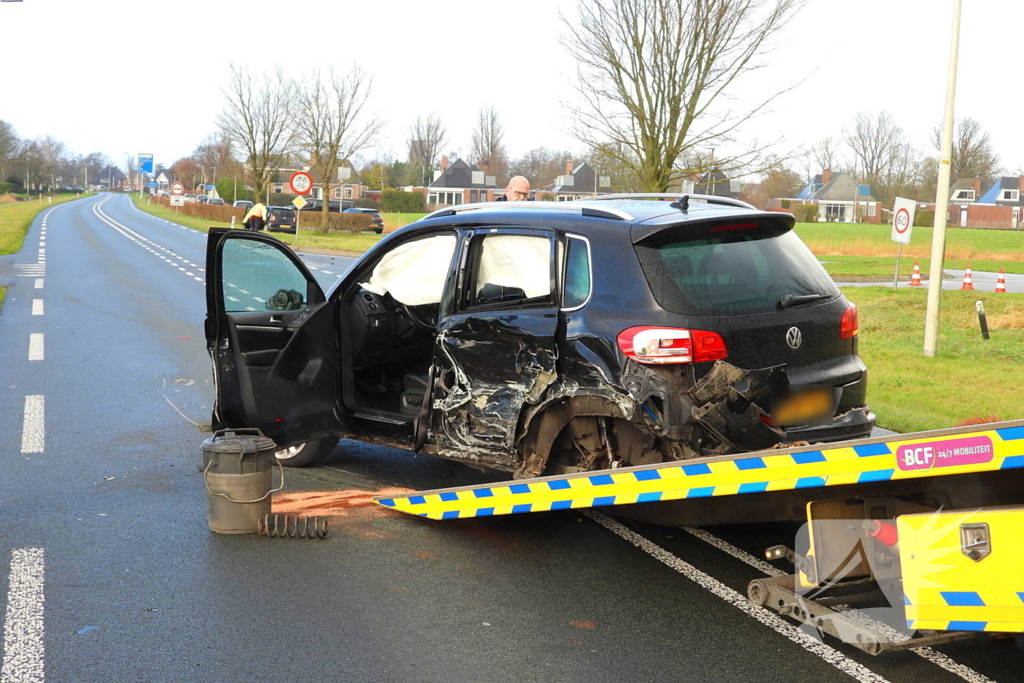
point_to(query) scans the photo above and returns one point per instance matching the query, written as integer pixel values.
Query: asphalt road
(108, 571)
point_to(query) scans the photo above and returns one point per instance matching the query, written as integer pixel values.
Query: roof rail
(560, 207)
(705, 198)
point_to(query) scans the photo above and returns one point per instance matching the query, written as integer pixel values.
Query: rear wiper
(789, 300)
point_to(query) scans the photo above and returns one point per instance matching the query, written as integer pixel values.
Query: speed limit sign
(301, 182)
(902, 220)
(177, 189)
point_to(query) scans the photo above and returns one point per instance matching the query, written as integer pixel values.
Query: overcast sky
(129, 76)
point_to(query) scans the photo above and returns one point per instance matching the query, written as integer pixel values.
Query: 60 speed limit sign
(903, 220)
(301, 182)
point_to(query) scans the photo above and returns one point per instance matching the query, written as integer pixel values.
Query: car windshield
(734, 270)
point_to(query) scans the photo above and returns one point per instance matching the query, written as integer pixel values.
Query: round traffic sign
(301, 182)
(177, 188)
(901, 222)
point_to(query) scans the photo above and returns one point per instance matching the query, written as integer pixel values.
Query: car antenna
(683, 204)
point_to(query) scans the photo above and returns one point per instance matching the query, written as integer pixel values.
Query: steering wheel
(423, 316)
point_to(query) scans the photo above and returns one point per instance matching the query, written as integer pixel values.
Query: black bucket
(238, 469)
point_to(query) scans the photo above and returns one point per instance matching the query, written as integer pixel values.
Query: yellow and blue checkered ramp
(999, 446)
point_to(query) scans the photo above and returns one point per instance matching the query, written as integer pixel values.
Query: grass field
(865, 251)
(16, 217)
(15, 220)
(340, 241)
(968, 378)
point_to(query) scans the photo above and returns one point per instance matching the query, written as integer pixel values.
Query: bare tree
(825, 154)
(653, 77)
(257, 117)
(426, 138)
(973, 156)
(877, 144)
(488, 143)
(542, 165)
(9, 146)
(332, 125)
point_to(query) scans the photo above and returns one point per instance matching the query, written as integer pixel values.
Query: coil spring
(288, 526)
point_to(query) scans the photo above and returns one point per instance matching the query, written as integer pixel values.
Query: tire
(309, 453)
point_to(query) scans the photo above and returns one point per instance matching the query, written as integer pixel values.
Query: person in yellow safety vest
(255, 218)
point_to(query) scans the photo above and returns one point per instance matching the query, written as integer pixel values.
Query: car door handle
(277, 318)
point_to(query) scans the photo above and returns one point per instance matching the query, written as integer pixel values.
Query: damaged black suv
(542, 337)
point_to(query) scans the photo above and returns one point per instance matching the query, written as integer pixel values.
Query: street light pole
(931, 316)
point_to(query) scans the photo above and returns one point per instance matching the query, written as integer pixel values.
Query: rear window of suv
(730, 269)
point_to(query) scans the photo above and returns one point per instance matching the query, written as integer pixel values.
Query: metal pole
(931, 317)
(896, 275)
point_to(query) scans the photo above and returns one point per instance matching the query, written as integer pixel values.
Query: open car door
(272, 338)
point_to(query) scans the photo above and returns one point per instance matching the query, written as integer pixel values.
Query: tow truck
(921, 532)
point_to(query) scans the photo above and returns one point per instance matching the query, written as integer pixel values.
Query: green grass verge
(968, 378)
(875, 268)
(3, 293)
(16, 218)
(962, 244)
(339, 241)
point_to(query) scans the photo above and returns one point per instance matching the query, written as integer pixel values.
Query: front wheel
(305, 454)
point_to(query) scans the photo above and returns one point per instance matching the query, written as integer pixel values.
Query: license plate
(806, 406)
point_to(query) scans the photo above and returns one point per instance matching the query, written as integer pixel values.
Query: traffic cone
(1001, 281)
(968, 279)
(915, 277)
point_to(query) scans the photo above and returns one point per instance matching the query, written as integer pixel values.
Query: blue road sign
(151, 184)
(145, 163)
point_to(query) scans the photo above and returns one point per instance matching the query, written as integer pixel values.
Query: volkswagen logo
(794, 337)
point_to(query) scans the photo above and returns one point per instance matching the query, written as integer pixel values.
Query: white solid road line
(33, 432)
(937, 658)
(837, 659)
(23, 623)
(35, 346)
(37, 306)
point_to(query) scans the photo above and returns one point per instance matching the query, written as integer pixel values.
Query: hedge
(924, 218)
(5, 188)
(336, 222)
(399, 201)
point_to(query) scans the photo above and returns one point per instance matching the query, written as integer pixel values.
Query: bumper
(856, 423)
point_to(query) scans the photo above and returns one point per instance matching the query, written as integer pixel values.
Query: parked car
(542, 337)
(202, 199)
(374, 214)
(243, 203)
(189, 196)
(215, 200)
(313, 204)
(280, 219)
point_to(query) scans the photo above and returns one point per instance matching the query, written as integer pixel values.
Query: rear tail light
(671, 345)
(849, 325)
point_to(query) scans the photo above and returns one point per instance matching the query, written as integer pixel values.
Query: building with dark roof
(459, 183)
(839, 198)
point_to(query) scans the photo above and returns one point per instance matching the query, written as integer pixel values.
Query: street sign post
(902, 226)
(177, 201)
(299, 202)
(177, 189)
(301, 182)
(145, 163)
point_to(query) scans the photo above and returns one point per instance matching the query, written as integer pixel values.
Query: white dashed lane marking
(35, 346)
(23, 622)
(33, 431)
(39, 283)
(935, 657)
(770, 619)
(37, 307)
